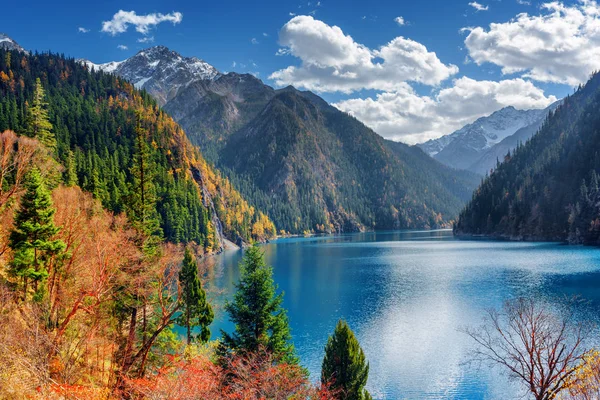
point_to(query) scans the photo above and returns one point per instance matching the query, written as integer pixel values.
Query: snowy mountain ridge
(463, 147)
(160, 71)
(9, 44)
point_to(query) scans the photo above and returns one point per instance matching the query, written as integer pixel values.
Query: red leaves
(242, 378)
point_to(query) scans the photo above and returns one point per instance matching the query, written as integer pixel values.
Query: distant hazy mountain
(307, 164)
(464, 147)
(548, 189)
(489, 158)
(9, 44)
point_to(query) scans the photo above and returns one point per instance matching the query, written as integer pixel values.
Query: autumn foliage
(254, 376)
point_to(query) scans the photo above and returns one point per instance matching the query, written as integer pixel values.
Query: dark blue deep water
(407, 295)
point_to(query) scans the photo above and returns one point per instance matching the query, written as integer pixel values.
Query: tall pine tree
(196, 311)
(31, 239)
(142, 210)
(38, 122)
(345, 368)
(260, 320)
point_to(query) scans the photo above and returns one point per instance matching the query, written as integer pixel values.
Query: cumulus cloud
(400, 20)
(254, 41)
(121, 21)
(332, 61)
(81, 29)
(406, 116)
(478, 7)
(122, 47)
(560, 45)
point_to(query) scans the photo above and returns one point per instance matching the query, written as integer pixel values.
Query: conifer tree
(260, 320)
(31, 239)
(196, 311)
(70, 177)
(142, 199)
(38, 122)
(345, 368)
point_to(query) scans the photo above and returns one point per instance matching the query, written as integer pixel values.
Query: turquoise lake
(407, 295)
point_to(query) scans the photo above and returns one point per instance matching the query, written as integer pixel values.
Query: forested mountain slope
(548, 187)
(315, 167)
(104, 127)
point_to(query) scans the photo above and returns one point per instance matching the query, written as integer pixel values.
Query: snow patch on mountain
(486, 131)
(160, 71)
(9, 44)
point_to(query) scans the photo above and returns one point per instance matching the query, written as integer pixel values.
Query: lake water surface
(407, 295)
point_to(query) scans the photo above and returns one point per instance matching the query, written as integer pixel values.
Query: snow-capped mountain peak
(159, 70)
(9, 44)
(462, 147)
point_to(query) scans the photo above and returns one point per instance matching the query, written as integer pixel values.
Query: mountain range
(309, 166)
(478, 146)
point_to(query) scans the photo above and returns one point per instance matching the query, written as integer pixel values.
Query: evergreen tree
(345, 368)
(31, 238)
(260, 320)
(38, 122)
(196, 311)
(70, 175)
(142, 200)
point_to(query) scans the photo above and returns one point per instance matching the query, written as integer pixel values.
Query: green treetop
(31, 239)
(196, 311)
(345, 368)
(260, 320)
(38, 122)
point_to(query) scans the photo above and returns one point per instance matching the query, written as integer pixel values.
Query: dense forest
(548, 187)
(110, 138)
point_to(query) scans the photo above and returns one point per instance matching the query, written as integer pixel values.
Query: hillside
(102, 125)
(308, 159)
(548, 187)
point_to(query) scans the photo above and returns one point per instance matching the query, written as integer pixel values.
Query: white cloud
(399, 20)
(122, 47)
(560, 45)
(333, 61)
(254, 41)
(524, 2)
(265, 34)
(81, 29)
(478, 7)
(146, 39)
(143, 23)
(406, 116)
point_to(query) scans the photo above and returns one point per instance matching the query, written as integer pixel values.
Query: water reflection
(406, 295)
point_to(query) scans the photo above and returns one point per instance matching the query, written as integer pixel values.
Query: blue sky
(397, 105)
